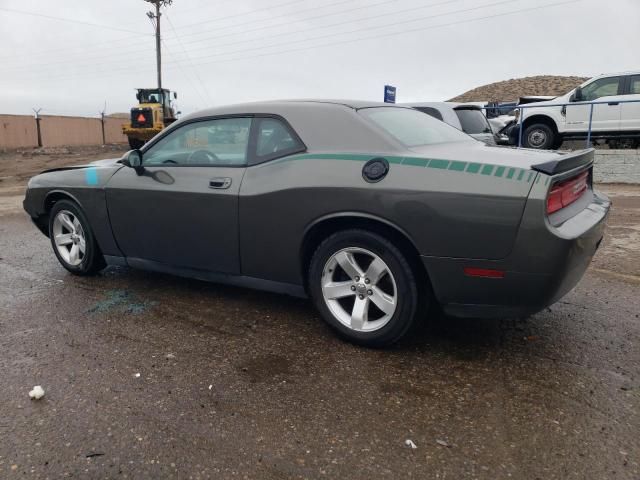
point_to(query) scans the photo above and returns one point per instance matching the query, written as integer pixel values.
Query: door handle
(613, 103)
(220, 182)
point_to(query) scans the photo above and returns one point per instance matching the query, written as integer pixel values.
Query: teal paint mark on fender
(91, 176)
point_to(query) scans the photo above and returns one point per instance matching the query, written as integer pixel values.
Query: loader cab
(154, 95)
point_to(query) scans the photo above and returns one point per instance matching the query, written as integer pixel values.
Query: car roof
(452, 105)
(616, 74)
(282, 106)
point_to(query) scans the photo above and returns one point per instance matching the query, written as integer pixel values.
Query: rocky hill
(509, 90)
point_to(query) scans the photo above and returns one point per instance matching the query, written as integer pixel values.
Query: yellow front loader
(153, 113)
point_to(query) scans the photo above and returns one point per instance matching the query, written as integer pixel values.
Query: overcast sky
(228, 51)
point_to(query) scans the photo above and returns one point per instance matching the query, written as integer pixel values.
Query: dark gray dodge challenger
(374, 211)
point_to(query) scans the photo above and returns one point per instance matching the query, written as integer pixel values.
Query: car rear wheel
(539, 136)
(72, 239)
(364, 287)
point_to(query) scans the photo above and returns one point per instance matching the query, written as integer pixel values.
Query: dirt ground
(153, 376)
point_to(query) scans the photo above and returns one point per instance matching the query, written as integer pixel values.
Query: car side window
(275, 139)
(604, 87)
(634, 85)
(217, 143)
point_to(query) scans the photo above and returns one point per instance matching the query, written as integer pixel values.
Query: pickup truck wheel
(364, 287)
(539, 136)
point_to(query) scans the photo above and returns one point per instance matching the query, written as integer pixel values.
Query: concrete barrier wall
(617, 166)
(59, 131)
(113, 130)
(19, 131)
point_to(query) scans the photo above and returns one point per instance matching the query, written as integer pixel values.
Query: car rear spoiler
(566, 162)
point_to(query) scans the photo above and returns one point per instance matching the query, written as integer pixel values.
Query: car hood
(475, 151)
(109, 162)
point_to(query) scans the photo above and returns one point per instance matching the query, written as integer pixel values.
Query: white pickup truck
(547, 126)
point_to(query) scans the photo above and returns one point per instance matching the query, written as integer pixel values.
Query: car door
(182, 209)
(630, 112)
(605, 116)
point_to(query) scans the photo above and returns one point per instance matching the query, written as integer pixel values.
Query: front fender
(83, 185)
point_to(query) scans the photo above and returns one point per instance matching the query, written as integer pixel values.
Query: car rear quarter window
(434, 112)
(472, 120)
(274, 139)
(411, 127)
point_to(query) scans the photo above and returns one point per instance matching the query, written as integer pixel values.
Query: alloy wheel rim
(69, 237)
(359, 289)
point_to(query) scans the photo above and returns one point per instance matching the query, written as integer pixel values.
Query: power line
(81, 57)
(339, 12)
(419, 29)
(341, 42)
(70, 20)
(195, 71)
(84, 48)
(357, 30)
(330, 25)
(235, 15)
(121, 52)
(324, 27)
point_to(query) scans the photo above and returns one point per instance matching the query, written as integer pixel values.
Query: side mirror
(175, 96)
(577, 95)
(133, 159)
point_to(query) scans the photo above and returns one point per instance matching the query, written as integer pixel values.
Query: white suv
(546, 126)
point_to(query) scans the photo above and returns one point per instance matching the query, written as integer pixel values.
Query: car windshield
(411, 127)
(472, 121)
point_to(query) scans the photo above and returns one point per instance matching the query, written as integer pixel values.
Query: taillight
(565, 193)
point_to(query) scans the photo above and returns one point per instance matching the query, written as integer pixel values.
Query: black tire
(135, 143)
(539, 136)
(558, 142)
(92, 260)
(408, 301)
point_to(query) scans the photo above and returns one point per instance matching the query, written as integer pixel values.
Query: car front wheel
(364, 287)
(72, 239)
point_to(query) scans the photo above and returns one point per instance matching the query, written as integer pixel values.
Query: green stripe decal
(487, 169)
(457, 166)
(498, 171)
(474, 167)
(416, 162)
(443, 164)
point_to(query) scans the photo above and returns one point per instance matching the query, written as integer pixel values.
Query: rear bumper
(547, 262)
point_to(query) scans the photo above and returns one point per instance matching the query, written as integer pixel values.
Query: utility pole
(37, 112)
(104, 110)
(155, 17)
